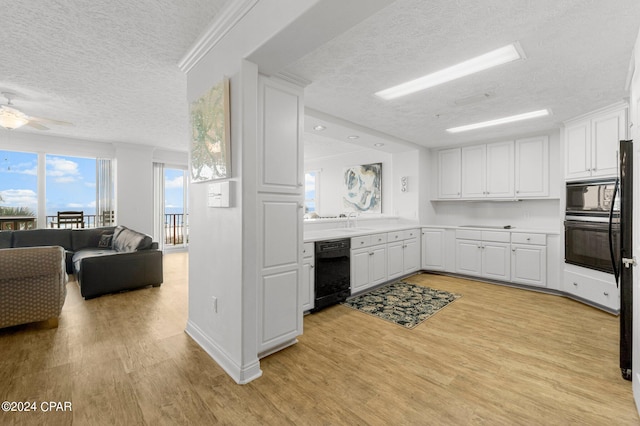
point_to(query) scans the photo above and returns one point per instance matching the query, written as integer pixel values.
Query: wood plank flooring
(496, 356)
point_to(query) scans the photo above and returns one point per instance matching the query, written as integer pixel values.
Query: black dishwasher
(332, 272)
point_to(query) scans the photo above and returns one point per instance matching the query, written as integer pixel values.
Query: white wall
(332, 179)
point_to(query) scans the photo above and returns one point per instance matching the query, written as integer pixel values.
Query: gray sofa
(105, 260)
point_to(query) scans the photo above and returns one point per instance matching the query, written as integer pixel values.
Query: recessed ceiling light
(378, 144)
(510, 119)
(353, 137)
(319, 128)
(494, 58)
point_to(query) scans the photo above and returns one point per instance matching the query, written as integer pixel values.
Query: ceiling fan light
(11, 121)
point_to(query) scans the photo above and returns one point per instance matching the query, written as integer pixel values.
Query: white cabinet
(403, 253)
(593, 287)
(279, 216)
(487, 171)
(591, 143)
(483, 253)
(532, 167)
(449, 173)
(368, 262)
(529, 259)
(433, 249)
(308, 277)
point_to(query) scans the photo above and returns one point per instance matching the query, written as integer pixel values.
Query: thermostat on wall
(219, 194)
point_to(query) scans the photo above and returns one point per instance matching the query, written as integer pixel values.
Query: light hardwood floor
(496, 356)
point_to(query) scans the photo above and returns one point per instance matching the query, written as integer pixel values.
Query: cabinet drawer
(308, 250)
(524, 238)
(394, 236)
(468, 234)
(362, 241)
(410, 233)
(592, 289)
(497, 236)
(378, 239)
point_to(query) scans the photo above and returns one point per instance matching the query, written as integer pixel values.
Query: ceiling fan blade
(36, 125)
(50, 121)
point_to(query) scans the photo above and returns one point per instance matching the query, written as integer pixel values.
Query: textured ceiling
(578, 54)
(109, 67)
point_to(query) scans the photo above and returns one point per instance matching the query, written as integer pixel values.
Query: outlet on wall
(214, 304)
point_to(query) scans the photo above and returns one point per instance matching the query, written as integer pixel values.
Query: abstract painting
(210, 140)
(363, 188)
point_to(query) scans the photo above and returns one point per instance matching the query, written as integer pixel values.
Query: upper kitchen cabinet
(532, 167)
(487, 171)
(449, 173)
(591, 143)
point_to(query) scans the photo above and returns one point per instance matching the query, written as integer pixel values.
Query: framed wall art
(210, 151)
(363, 188)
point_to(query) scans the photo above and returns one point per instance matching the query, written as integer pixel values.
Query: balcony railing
(176, 229)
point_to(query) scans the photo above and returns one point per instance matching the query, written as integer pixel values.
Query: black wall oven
(586, 243)
(592, 224)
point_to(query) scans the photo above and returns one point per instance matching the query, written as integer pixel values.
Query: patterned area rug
(402, 303)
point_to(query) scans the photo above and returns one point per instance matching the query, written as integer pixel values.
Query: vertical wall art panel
(211, 138)
(363, 188)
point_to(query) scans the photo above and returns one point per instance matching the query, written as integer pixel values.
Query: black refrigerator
(623, 267)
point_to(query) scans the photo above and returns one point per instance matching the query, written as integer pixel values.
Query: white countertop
(339, 233)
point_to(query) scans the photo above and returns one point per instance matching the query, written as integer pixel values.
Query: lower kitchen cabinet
(368, 264)
(529, 259)
(403, 253)
(595, 287)
(483, 253)
(307, 292)
(433, 249)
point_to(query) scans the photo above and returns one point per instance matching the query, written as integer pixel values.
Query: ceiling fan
(12, 118)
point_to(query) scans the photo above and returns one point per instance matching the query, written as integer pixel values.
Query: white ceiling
(110, 67)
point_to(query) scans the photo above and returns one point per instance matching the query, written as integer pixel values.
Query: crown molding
(221, 25)
(293, 78)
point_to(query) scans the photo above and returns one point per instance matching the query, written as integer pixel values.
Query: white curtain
(158, 204)
(105, 204)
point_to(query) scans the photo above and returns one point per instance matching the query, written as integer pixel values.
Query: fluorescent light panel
(494, 58)
(525, 116)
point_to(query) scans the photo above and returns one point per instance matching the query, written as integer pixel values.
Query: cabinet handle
(300, 206)
(300, 184)
(606, 293)
(529, 239)
(575, 284)
(312, 266)
(517, 192)
(370, 253)
(513, 250)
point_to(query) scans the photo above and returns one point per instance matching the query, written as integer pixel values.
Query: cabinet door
(468, 257)
(496, 262)
(532, 167)
(578, 150)
(359, 270)
(449, 173)
(395, 259)
(308, 289)
(378, 264)
(411, 255)
(433, 249)
(500, 170)
(606, 133)
(529, 264)
(473, 171)
(280, 127)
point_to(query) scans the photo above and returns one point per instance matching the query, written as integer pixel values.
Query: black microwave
(591, 198)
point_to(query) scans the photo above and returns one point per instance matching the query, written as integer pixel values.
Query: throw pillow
(105, 241)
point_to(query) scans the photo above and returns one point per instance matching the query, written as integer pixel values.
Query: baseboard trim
(241, 374)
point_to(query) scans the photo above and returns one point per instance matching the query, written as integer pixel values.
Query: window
(175, 209)
(311, 189)
(18, 189)
(71, 186)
